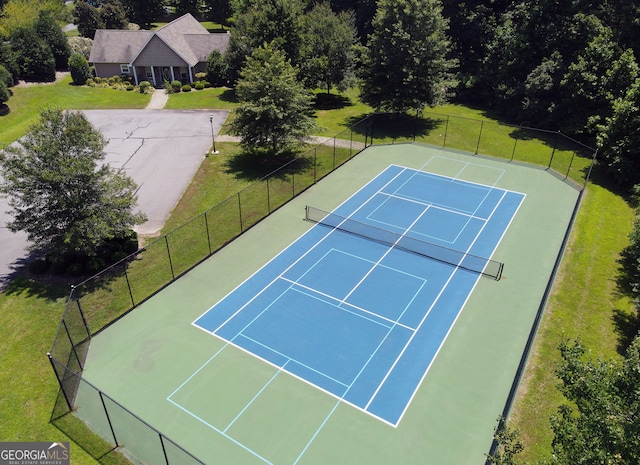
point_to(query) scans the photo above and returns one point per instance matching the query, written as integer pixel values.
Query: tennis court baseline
(358, 318)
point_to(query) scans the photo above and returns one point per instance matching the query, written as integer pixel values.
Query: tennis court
(360, 317)
(366, 335)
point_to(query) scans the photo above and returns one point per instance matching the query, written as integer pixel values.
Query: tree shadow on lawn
(393, 126)
(255, 166)
(324, 101)
(229, 96)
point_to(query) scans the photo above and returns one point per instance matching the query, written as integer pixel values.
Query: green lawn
(585, 303)
(26, 103)
(30, 316)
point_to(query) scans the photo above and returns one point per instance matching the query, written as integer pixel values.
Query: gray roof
(184, 35)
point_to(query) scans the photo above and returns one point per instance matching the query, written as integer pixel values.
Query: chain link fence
(98, 302)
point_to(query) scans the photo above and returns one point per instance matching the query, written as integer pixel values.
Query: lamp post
(213, 136)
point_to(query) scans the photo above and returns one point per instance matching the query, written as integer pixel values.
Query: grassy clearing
(586, 304)
(27, 103)
(30, 319)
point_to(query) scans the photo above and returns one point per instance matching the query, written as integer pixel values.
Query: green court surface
(226, 406)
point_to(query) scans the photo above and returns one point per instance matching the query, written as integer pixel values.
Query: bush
(4, 93)
(199, 85)
(5, 76)
(91, 82)
(186, 88)
(201, 76)
(130, 87)
(145, 87)
(176, 86)
(79, 68)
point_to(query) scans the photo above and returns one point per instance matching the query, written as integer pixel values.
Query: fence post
(240, 212)
(553, 152)
(350, 143)
(268, 196)
(64, 393)
(126, 278)
(164, 450)
(166, 241)
(206, 225)
(513, 153)
(446, 129)
(106, 412)
(73, 346)
(479, 137)
(84, 320)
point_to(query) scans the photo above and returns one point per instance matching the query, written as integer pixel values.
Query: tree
(8, 59)
(277, 22)
(87, 18)
(600, 74)
(49, 31)
(407, 65)
(79, 68)
(34, 56)
(144, 12)
(602, 424)
(186, 6)
(216, 69)
(58, 192)
(19, 14)
(218, 11)
(274, 111)
(619, 139)
(112, 15)
(328, 56)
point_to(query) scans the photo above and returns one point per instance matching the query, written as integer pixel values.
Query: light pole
(213, 136)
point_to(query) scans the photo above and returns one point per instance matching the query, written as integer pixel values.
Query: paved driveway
(160, 149)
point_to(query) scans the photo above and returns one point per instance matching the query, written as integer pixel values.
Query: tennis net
(484, 266)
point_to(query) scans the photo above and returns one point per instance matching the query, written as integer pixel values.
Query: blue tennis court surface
(360, 319)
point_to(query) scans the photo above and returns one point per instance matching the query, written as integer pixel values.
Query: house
(176, 51)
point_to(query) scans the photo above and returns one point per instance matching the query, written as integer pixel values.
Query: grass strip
(586, 303)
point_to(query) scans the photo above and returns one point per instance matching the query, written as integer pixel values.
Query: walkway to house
(158, 100)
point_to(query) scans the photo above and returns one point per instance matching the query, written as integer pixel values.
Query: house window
(184, 73)
(124, 69)
(148, 72)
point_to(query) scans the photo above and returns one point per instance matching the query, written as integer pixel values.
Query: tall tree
(275, 110)
(51, 32)
(112, 15)
(619, 139)
(144, 12)
(278, 22)
(218, 11)
(58, 191)
(600, 74)
(87, 18)
(407, 66)
(186, 6)
(328, 55)
(34, 56)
